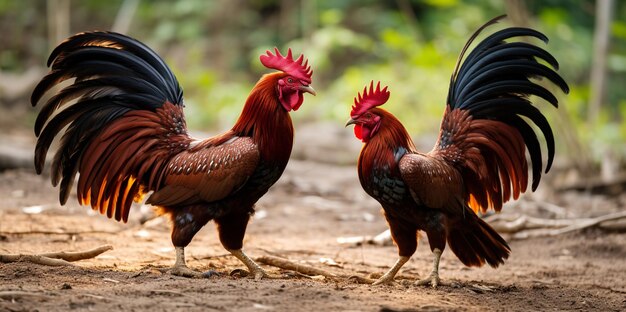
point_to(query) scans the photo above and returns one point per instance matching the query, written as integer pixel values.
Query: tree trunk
(601, 37)
(58, 21)
(125, 16)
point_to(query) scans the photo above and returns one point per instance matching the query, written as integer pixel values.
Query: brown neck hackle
(264, 119)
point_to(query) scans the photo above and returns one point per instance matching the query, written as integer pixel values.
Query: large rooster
(479, 161)
(126, 136)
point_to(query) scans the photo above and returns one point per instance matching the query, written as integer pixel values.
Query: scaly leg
(254, 268)
(388, 277)
(180, 267)
(433, 279)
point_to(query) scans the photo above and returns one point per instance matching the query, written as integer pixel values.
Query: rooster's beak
(351, 122)
(308, 89)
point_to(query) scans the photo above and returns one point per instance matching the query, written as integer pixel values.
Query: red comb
(373, 98)
(288, 65)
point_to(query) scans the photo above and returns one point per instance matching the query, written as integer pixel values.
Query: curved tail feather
(122, 117)
(483, 132)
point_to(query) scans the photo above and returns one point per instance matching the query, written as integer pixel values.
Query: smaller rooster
(479, 161)
(125, 135)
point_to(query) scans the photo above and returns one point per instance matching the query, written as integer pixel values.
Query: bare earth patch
(300, 220)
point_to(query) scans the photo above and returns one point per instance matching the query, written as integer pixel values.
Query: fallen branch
(577, 224)
(515, 223)
(292, 266)
(525, 227)
(13, 294)
(37, 259)
(55, 258)
(596, 185)
(74, 233)
(78, 255)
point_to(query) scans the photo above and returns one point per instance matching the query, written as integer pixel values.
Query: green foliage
(410, 45)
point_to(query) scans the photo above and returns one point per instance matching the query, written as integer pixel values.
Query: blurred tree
(213, 47)
(601, 39)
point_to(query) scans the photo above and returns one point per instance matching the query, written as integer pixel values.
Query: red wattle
(358, 132)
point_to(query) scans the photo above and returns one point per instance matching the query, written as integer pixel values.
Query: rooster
(479, 161)
(126, 136)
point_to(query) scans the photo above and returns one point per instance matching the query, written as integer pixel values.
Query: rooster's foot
(388, 277)
(184, 271)
(432, 280)
(383, 280)
(360, 279)
(258, 275)
(180, 267)
(255, 270)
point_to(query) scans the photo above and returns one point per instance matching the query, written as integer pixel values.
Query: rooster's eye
(289, 80)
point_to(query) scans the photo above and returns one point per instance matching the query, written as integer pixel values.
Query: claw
(254, 269)
(259, 275)
(388, 277)
(384, 280)
(180, 267)
(184, 271)
(360, 279)
(433, 280)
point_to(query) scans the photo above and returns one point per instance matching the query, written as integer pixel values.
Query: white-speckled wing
(207, 174)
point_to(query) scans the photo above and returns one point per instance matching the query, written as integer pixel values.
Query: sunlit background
(410, 45)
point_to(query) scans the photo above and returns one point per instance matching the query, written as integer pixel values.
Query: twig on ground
(55, 258)
(577, 224)
(526, 227)
(94, 296)
(12, 294)
(557, 210)
(282, 252)
(167, 291)
(37, 259)
(288, 265)
(617, 290)
(55, 232)
(78, 255)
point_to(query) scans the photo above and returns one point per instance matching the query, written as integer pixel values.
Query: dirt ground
(302, 217)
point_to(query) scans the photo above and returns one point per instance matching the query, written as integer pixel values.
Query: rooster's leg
(231, 229)
(388, 277)
(405, 236)
(254, 268)
(433, 279)
(180, 267)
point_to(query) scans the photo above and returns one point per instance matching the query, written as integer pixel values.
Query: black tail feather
(494, 82)
(475, 243)
(114, 74)
(112, 40)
